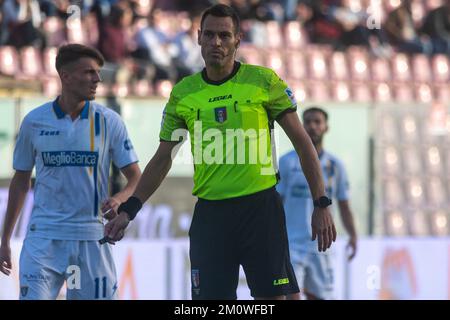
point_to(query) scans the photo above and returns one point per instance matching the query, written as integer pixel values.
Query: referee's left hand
(115, 229)
(323, 228)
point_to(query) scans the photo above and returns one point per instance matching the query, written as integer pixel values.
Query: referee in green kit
(229, 109)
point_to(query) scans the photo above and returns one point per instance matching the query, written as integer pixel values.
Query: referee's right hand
(5, 259)
(115, 229)
(323, 228)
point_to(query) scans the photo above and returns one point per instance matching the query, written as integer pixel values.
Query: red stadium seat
(421, 68)
(143, 88)
(440, 223)
(9, 61)
(424, 93)
(31, 61)
(341, 91)
(404, 93)
(361, 92)
(380, 69)
(442, 93)
(359, 66)
(400, 67)
(382, 92)
(441, 68)
(54, 31)
(121, 89)
(163, 88)
(295, 36)
(250, 54)
(49, 59)
(318, 66)
(274, 36)
(51, 86)
(75, 31)
(275, 61)
(296, 65)
(319, 91)
(338, 66)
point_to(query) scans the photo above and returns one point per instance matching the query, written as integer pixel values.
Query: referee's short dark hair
(315, 109)
(71, 52)
(222, 10)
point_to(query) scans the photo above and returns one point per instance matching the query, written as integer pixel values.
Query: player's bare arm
(154, 173)
(18, 189)
(349, 225)
(132, 173)
(322, 223)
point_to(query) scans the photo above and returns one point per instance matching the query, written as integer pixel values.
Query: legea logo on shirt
(69, 158)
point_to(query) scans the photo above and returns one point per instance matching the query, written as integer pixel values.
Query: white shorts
(315, 273)
(87, 266)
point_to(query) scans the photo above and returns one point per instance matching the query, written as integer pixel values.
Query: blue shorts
(315, 273)
(86, 266)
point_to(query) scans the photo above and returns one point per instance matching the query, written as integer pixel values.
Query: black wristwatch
(322, 202)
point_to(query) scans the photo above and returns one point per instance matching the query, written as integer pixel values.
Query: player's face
(81, 79)
(218, 40)
(315, 125)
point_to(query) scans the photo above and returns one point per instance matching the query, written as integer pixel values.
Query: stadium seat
(121, 89)
(299, 88)
(415, 192)
(338, 66)
(436, 191)
(318, 65)
(295, 36)
(441, 68)
(388, 131)
(421, 68)
(54, 31)
(340, 91)
(409, 129)
(51, 87)
(319, 91)
(424, 94)
(274, 37)
(396, 223)
(404, 93)
(163, 88)
(142, 88)
(75, 31)
(391, 160)
(419, 223)
(275, 61)
(400, 67)
(49, 59)
(412, 163)
(382, 92)
(442, 93)
(440, 223)
(31, 61)
(9, 61)
(296, 65)
(418, 12)
(90, 28)
(250, 54)
(380, 70)
(433, 160)
(361, 92)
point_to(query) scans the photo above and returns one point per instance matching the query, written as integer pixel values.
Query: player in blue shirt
(313, 269)
(71, 142)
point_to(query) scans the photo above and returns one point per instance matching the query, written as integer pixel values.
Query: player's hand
(352, 246)
(115, 229)
(109, 208)
(5, 259)
(323, 228)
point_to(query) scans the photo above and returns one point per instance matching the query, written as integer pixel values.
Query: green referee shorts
(248, 231)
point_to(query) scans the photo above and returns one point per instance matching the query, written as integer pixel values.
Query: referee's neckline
(236, 67)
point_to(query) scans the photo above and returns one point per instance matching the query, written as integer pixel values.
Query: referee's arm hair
(154, 173)
(322, 223)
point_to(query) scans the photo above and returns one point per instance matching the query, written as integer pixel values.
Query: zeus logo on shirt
(49, 133)
(70, 158)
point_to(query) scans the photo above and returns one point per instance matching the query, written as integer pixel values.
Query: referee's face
(218, 40)
(81, 79)
(315, 125)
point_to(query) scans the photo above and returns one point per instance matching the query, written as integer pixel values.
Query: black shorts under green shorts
(248, 231)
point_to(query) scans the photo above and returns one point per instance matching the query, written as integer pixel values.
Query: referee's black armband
(131, 207)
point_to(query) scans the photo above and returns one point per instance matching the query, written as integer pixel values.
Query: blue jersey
(298, 202)
(72, 160)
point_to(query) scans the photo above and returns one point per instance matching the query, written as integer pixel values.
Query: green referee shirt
(229, 124)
